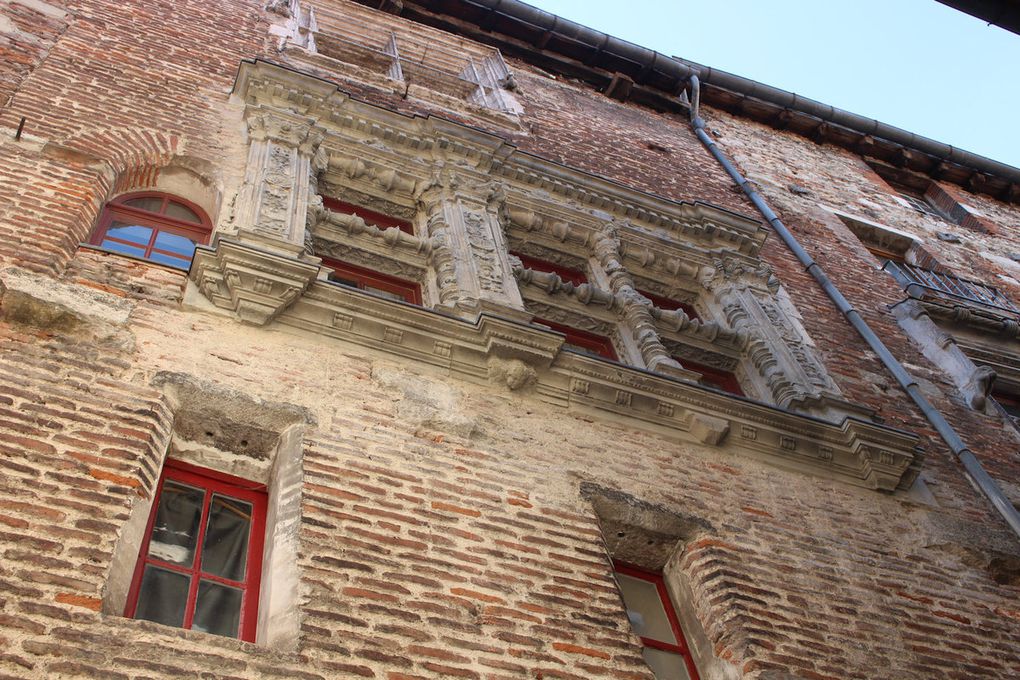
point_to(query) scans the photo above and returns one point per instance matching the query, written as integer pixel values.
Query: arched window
(154, 226)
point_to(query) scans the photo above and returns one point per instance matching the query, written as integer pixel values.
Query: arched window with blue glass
(153, 226)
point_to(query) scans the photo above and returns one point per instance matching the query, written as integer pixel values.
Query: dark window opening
(201, 562)
(583, 341)
(383, 285)
(715, 377)
(654, 620)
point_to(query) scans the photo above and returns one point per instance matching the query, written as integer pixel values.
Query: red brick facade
(450, 528)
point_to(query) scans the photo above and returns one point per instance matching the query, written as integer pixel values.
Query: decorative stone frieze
(854, 451)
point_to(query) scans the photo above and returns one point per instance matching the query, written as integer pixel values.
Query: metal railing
(948, 285)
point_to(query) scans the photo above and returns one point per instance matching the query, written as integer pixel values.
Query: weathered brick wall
(444, 532)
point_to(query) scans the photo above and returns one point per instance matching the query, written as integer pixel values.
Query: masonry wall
(447, 528)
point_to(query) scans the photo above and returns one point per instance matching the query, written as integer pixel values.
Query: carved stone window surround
(458, 177)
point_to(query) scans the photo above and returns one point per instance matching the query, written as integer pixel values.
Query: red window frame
(681, 648)
(715, 377)
(574, 276)
(669, 304)
(211, 482)
(381, 220)
(364, 278)
(157, 221)
(597, 344)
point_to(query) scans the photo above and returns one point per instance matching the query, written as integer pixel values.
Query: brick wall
(444, 531)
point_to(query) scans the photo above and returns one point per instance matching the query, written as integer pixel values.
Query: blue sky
(916, 64)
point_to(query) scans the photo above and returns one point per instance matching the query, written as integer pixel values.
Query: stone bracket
(254, 284)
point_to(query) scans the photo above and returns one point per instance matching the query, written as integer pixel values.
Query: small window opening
(715, 377)
(201, 561)
(582, 341)
(383, 285)
(654, 620)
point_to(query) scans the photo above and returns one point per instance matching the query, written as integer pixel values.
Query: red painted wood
(363, 278)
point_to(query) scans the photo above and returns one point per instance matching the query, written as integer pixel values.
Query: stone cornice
(265, 84)
(260, 286)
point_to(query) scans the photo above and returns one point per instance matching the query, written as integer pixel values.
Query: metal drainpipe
(977, 473)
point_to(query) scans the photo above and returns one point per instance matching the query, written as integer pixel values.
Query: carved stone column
(637, 316)
(469, 252)
(273, 204)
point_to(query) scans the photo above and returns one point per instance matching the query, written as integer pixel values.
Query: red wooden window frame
(363, 278)
(681, 648)
(669, 304)
(381, 220)
(597, 344)
(574, 276)
(715, 377)
(210, 481)
(158, 221)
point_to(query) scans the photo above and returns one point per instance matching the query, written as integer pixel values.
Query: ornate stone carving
(279, 180)
(253, 284)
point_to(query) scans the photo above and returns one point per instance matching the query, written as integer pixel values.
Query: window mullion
(189, 610)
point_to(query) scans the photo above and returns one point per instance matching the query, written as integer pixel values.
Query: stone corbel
(279, 184)
(256, 285)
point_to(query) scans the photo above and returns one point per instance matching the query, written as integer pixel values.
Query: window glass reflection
(218, 609)
(175, 243)
(225, 548)
(175, 531)
(133, 233)
(163, 596)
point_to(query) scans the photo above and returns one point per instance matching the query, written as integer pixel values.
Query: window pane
(225, 548)
(132, 233)
(217, 610)
(388, 294)
(137, 251)
(172, 260)
(150, 203)
(163, 596)
(644, 608)
(175, 531)
(665, 665)
(179, 211)
(174, 243)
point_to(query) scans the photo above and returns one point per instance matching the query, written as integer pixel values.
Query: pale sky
(915, 64)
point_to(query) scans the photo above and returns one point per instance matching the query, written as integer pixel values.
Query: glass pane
(665, 665)
(137, 251)
(132, 233)
(217, 610)
(175, 531)
(162, 596)
(388, 294)
(175, 243)
(150, 203)
(644, 608)
(225, 549)
(172, 260)
(179, 211)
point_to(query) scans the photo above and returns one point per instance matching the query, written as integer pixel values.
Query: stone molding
(472, 192)
(256, 285)
(854, 451)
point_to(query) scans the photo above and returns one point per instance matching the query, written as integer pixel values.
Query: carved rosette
(284, 161)
(254, 284)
